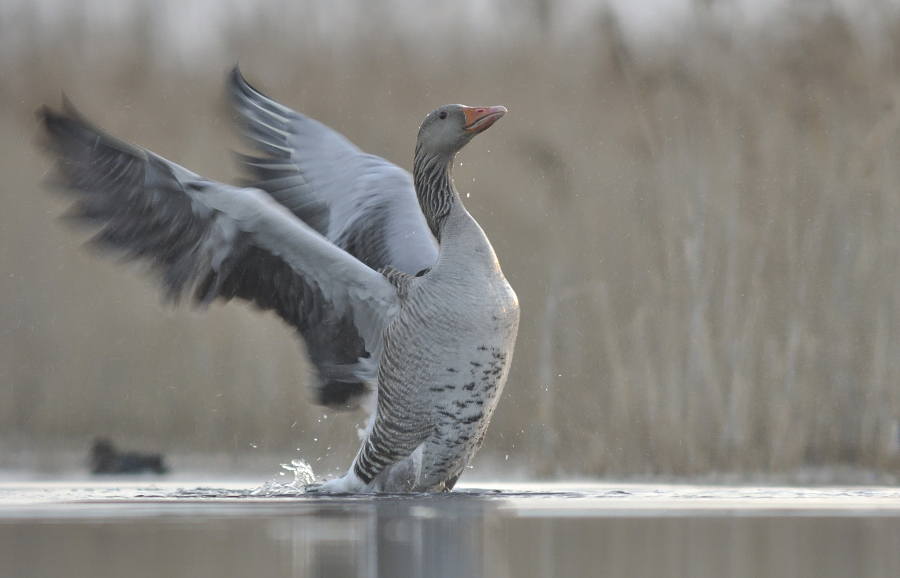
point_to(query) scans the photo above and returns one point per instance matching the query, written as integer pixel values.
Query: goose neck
(434, 188)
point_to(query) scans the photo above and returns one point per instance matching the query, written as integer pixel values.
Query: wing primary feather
(209, 240)
(360, 202)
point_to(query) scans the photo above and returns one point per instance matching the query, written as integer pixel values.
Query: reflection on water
(61, 530)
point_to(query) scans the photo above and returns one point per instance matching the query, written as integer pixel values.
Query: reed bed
(703, 230)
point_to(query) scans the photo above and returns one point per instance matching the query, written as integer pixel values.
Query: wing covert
(207, 240)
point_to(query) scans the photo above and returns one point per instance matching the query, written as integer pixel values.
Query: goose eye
(443, 114)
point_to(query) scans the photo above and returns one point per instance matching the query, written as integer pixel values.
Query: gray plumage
(360, 202)
(342, 245)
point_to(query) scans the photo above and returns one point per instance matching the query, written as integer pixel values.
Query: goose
(391, 284)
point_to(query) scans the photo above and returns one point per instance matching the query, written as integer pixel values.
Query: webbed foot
(346, 484)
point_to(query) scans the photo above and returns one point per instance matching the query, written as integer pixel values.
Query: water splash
(303, 476)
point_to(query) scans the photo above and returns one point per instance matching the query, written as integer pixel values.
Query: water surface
(139, 528)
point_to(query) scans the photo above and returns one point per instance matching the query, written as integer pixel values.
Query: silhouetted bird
(106, 459)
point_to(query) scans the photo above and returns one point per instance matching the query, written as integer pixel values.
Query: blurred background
(697, 202)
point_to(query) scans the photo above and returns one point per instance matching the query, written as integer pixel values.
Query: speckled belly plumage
(435, 401)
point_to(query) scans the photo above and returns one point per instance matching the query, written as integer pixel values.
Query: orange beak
(479, 119)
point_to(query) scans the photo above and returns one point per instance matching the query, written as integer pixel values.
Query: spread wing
(210, 240)
(360, 202)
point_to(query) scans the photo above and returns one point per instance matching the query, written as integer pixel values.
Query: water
(139, 528)
(303, 476)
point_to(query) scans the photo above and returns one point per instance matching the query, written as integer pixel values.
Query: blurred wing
(360, 202)
(213, 240)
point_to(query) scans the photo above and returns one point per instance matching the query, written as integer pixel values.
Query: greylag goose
(390, 282)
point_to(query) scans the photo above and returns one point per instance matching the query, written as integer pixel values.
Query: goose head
(449, 128)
